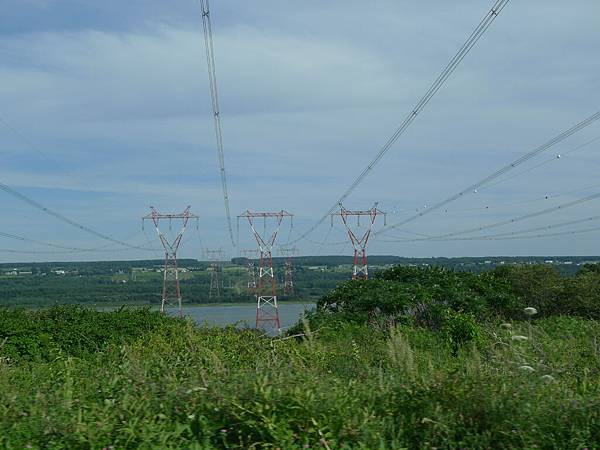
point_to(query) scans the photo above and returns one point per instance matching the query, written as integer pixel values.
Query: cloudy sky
(105, 110)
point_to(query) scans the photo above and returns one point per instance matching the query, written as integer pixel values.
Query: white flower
(547, 378)
(506, 325)
(530, 311)
(518, 338)
(527, 368)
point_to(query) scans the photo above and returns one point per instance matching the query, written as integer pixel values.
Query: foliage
(346, 386)
(415, 358)
(543, 288)
(71, 330)
(424, 293)
(460, 329)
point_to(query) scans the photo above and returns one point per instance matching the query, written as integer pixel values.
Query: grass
(165, 383)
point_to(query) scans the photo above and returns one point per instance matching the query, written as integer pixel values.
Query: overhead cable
(515, 233)
(504, 222)
(63, 218)
(544, 235)
(67, 249)
(543, 163)
(485, 23)
(214, 95)
(474, 187)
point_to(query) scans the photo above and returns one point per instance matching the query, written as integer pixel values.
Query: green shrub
(71, 330)
(460, 329)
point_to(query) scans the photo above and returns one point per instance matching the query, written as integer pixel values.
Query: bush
(71, 330)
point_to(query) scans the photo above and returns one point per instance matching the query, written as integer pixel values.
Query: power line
(545, 235)
(214, 95)
(504, 222)
(49, 211)
(34, 241)
(68, 249)
(474, 187)
(518, 232)
(63, 218)
(485, 23)
(543, 163)
(492, 207)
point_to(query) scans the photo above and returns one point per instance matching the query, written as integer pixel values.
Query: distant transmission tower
(250, 255)
(171, 271)
(216, 281)
(267, 311)
(288, 271)
(361, 269)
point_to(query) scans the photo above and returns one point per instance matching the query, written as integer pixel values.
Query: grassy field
(415, 358)
(76, 378)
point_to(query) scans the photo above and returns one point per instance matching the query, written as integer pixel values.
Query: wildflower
(191, 416)
(530, 311)
(519, 338)
(527, 368)
(506, 325)
(547, 378)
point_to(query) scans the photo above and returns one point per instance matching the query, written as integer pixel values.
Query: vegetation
(140, 282)
(417, 358)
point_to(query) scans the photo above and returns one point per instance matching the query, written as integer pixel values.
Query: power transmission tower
(250, 255)
(288, 271)
(267, 311)
(361, 269)
(216, 281)
(171, 271)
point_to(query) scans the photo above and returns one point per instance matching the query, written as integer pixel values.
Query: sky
(105, 111)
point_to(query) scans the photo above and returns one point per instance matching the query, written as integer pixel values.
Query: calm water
(289, 313)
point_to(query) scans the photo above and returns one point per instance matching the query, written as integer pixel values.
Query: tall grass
(345, 386)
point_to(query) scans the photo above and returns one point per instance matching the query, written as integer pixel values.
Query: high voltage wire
(49, 211)
(65, 219)
(485, 23)
(34, 241)
(504, 222)
(474, 187)
(492, 207)
(214, 95)
(515, 233)
(543, 163)
(543, 235)
(68, 249)
(518, 237)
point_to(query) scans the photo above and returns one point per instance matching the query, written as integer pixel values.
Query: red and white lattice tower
(267, 311)
(288, 269)
(216, 282)
(171, 271)
(250, 255)
(359, 240)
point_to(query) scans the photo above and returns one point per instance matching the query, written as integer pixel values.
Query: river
(242, 314)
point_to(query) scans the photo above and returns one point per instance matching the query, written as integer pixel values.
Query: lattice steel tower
(267, 311)
(288, 269)
(360, 270)
(250, 255)
(216, 281)
(171, 271)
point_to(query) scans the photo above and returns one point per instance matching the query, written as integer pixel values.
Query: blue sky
(106, 111)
